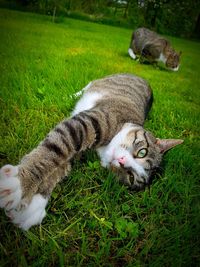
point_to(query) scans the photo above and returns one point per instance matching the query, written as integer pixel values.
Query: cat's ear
(167, 144)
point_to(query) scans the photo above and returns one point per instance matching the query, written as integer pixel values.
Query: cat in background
(152, 47)
(109, 117)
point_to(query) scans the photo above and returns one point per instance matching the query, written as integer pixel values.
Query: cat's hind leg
(80, 93)
(131, 53)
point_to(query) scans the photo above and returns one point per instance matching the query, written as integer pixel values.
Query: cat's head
(134, 154)
(173, 60)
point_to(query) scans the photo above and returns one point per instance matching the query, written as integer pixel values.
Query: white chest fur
(162, 58)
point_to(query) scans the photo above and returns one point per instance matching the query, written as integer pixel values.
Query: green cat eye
(142, 153)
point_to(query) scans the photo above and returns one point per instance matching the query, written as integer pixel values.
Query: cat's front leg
(22, 212)
(32, 214)
(106, 155)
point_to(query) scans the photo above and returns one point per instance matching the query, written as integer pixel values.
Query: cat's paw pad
(33, 214)
(10, 188)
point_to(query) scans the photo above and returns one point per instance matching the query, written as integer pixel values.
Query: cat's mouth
(114, 168)
(130, 177)
(132, 182)
(115, 164)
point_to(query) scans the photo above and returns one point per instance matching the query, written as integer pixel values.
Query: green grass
(92, 220)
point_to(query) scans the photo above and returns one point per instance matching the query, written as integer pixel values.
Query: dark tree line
(176, 17)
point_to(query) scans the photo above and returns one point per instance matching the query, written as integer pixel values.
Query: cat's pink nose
(121, 160)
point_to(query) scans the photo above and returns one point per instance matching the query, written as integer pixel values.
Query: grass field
(92, 220)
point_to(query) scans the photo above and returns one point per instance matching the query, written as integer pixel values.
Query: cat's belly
(87, 101)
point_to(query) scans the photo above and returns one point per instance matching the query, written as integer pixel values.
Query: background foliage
(179, 18)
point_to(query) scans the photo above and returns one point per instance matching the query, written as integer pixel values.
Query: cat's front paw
(10, 187)
(105, 155)
(33, 214)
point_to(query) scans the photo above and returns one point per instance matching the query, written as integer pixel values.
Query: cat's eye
(142, 153)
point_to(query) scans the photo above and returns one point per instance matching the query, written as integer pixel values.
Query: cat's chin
(125, 180)
(174, 69)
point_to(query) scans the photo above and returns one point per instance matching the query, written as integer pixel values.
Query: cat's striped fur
(149, 45)
(109, 117)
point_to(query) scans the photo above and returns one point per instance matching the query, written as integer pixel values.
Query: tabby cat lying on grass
(108, 117)
(149, 45)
